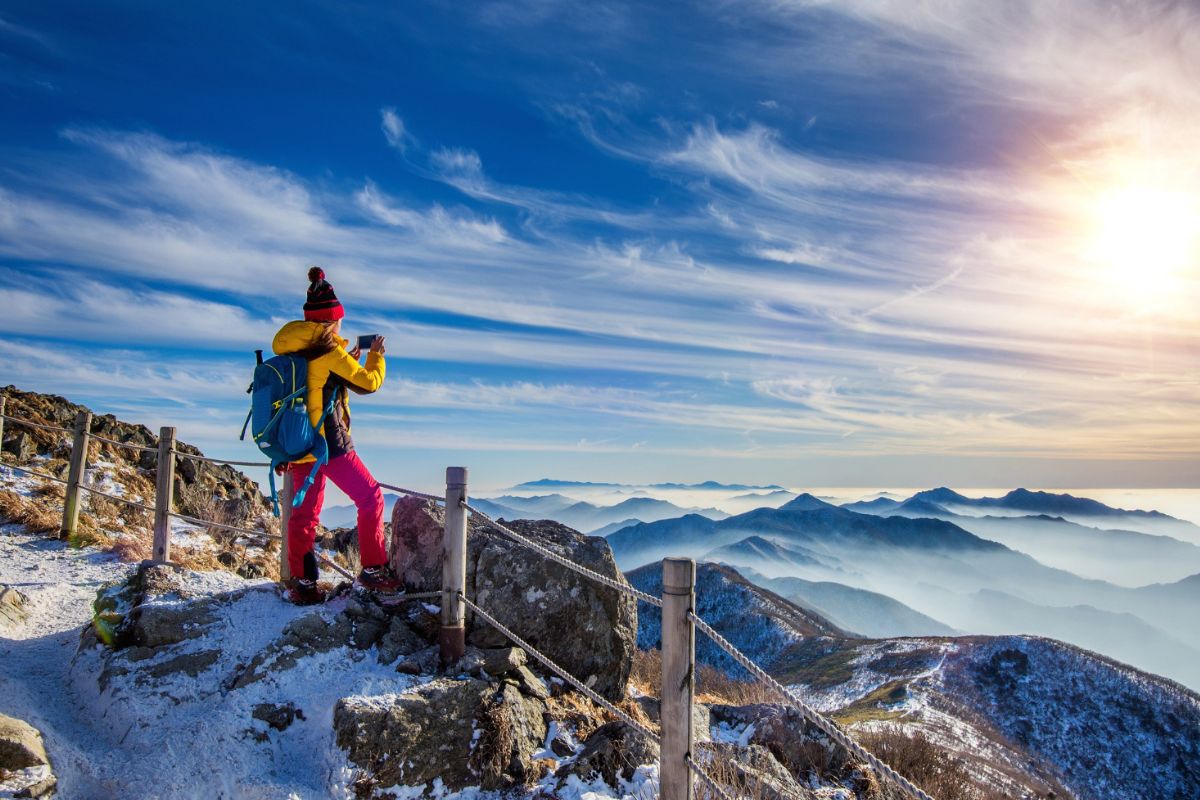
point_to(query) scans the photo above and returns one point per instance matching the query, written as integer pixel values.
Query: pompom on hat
(322, 305)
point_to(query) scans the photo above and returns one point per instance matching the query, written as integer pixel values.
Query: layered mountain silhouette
(941, 571)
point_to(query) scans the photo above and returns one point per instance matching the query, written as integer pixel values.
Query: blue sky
(860, 243)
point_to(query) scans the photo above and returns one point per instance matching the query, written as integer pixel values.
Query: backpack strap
(246, 424)
(274, 494)
(320, 450)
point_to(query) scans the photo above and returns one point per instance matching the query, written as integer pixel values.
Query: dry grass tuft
(497, 740)
(712, 685)
(132, 547)
(939, 772)
(50, 491)
(581, 715)
(34, 514)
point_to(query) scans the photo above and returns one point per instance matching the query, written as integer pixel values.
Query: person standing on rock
(317, 339)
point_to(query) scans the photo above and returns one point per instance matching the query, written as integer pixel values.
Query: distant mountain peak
(940, 495)
(805, 502)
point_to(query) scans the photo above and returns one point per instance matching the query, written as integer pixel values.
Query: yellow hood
(298, 335)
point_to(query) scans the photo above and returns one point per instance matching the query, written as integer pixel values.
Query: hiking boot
(304, 593)
(380, 580)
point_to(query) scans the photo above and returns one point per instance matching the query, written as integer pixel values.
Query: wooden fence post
(678, 677)
(3, 404)
(453, 634)
(286, 496)
(76, 474)
(162, 495)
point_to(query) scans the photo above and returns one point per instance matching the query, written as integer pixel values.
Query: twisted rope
(412, 493)
(127, 445)
(44, 476)
(562, 673)
(706, 779)
(824, 725)
(222, 461)
(624, 588)
(265, 534)
(31, 424)
(117, 499)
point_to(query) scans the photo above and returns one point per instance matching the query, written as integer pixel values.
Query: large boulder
(24, 766)
(416, 551)
(585, 627)
(461, 732)
(12, 607)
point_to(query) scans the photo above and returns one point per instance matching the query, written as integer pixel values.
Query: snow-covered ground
(187, 736)
(60, 584)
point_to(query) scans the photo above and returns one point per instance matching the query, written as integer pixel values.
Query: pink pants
(349, 474)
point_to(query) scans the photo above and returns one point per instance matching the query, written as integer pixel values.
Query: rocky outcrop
(24, 766)
(461, 732)
(201, 488)
(783, 752)
(613, 751)
(589, 629)
(416, 551)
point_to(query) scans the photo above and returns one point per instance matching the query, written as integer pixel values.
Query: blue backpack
(279, 421)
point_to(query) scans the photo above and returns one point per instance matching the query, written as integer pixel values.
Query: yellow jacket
(301, 334)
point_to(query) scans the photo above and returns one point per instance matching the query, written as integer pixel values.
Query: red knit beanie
(322, 305)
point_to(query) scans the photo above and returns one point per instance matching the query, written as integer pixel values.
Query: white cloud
(394, 131)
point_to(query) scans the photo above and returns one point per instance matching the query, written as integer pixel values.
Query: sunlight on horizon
(1146, 239)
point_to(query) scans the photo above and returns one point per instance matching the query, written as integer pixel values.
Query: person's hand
(377, 345)
(355, 353)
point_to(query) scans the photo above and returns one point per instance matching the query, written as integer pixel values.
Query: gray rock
(20, 745)
(423, 661)
(612, 751)
(429, 733)
(756, 773)
(191, 664)
(794, 742)
(158, 625)
(302, 637)
(531, 684)
(12, 606)
(503, 660)
(21, 445)
(400, 640)
(279, 717)
(491, 663)
(587, 628)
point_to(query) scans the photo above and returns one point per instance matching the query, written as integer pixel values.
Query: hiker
(333, 369)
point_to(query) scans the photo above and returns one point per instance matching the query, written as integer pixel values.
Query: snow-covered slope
(1031, 715)
(755, 619)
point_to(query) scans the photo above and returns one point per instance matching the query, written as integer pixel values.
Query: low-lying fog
(1110, 582)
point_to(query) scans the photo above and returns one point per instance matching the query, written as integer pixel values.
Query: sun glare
(1147, 238)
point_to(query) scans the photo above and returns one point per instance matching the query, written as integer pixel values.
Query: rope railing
(34, 473)
(31, 424)
(591, 574)
(117, 498)
(264, 534)
(560, 672)
(823, 724)
(219, 461)
(141, 448)
(413, 493)
(706, 779)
